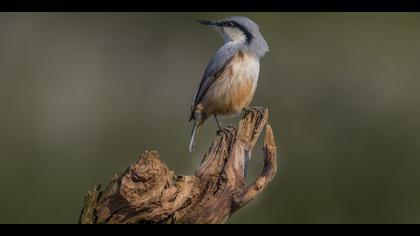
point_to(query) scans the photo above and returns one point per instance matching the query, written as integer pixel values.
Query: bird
(230, 79)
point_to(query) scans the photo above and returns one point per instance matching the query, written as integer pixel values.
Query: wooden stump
(148, 192)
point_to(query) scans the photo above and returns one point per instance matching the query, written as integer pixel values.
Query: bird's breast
(235, 87)
(246, 67)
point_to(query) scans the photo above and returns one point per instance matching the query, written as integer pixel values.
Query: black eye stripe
(245, 31)
(238, 26)
(229, 24)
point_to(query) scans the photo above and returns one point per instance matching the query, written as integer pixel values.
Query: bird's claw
(230, 126)
(260, 110)
(228, 131)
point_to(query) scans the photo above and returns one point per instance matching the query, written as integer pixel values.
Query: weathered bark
(148, 192)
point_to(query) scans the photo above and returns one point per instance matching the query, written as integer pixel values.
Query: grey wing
(222, 58)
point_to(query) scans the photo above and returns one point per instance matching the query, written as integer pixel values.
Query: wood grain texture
(148, 192)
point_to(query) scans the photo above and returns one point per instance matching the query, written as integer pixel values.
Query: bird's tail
(196, 127)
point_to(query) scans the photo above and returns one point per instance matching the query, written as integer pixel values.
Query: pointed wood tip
(269, 137)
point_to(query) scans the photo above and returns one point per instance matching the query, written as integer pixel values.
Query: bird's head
(241, 30)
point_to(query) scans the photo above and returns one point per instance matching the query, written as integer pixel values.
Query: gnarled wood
(148, 192)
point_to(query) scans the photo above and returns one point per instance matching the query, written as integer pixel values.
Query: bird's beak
(207, 22)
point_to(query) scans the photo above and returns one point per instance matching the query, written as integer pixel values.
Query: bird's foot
(230, 130)
(260, 110)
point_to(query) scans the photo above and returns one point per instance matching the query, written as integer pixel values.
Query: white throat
(233, 35)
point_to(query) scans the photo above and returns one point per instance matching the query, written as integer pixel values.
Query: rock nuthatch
(230, 79)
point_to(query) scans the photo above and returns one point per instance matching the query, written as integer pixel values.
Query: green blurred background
(83, 94)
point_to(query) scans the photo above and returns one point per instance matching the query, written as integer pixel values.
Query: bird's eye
(229, 24)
